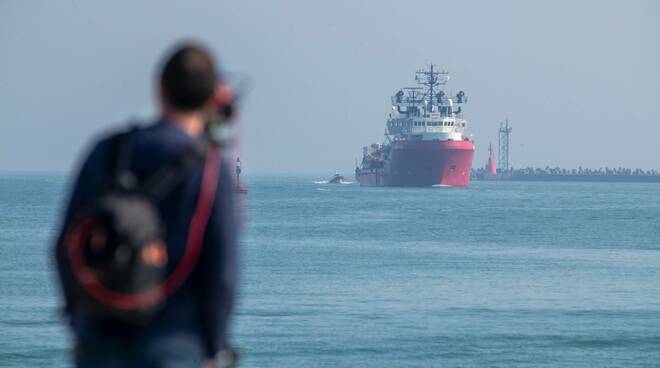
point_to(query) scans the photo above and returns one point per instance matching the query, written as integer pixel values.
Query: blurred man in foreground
(147, 251)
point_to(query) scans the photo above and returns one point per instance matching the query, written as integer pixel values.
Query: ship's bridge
(427, 128)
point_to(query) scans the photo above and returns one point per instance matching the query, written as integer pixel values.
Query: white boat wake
(343, 182)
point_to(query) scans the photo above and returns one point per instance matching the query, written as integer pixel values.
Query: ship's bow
(432, 162)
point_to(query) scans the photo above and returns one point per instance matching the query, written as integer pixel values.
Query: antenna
(431, 78)
(503, 146)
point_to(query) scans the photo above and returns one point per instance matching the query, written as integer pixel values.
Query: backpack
(115, 249)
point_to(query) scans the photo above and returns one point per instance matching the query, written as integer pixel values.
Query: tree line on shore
(579, 171)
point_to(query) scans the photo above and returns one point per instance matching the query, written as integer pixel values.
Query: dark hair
(188, 77)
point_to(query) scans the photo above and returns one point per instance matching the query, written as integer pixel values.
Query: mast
(503, 145)
(431, 78)
(431, 83)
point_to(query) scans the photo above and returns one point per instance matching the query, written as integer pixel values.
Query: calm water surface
(498, 275)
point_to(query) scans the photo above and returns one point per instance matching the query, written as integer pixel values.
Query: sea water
(501, 274)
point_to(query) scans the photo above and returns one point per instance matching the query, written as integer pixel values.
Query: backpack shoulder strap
(165, 178)
(119, 160)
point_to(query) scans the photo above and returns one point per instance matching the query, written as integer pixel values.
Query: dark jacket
(202, 305)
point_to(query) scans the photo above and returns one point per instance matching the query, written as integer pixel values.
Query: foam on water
(343, 182)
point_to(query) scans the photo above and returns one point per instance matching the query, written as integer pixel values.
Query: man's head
(188, 79)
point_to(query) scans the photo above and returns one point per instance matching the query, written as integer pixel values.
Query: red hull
(422, 163)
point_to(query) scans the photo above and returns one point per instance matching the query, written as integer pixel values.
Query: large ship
(426, 139)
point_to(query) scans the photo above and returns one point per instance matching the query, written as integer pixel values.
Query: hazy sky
(578, 80)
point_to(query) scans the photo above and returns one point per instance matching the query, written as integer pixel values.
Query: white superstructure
(427, 114)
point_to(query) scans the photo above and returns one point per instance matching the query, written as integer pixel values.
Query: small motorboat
(338, 179)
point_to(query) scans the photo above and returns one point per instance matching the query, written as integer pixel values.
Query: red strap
(193, 250)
